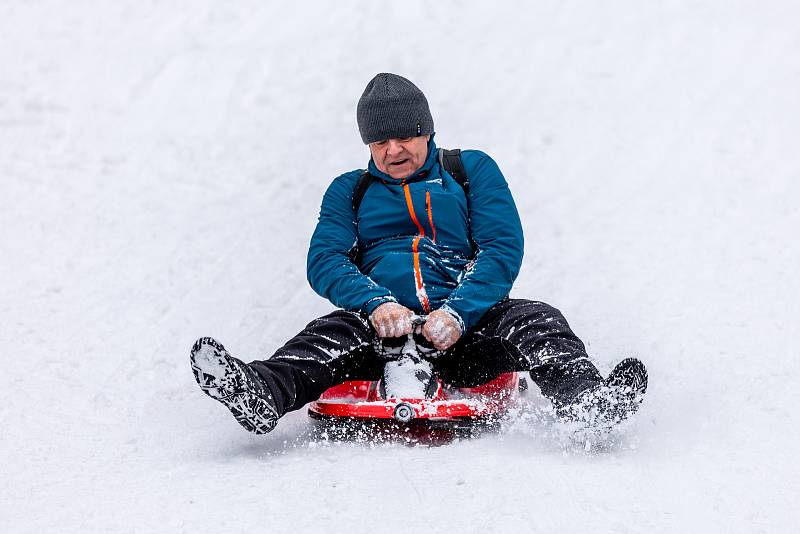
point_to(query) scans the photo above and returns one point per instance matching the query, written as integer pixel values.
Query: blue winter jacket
(418, 242)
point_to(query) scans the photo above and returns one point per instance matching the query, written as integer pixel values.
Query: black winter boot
(603, 406)
(234, 384)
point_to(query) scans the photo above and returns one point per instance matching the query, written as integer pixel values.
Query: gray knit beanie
(391, 108)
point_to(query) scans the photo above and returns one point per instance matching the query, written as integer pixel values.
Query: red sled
(449, 409)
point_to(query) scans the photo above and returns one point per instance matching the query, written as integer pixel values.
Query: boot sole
(630, 372)
(221, 380)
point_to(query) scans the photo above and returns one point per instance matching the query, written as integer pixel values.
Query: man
(417, 242)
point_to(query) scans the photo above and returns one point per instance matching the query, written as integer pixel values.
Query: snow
(161, 167)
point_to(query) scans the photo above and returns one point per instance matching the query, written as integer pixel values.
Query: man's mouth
(399, 162)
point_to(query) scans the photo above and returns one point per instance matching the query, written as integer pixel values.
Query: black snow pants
(513, 335)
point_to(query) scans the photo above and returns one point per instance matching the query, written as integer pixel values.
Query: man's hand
(441, 329)
(391, 320)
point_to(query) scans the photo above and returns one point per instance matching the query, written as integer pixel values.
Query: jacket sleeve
(329, 268)
(497, 232)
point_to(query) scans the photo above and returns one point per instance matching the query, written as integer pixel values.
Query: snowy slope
(161, 166)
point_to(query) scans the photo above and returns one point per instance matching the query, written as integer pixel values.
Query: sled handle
(417, 321)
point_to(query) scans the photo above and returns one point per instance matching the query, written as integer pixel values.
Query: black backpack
(450, 160)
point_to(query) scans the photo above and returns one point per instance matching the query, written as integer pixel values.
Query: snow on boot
(604, 406)
(234, 384)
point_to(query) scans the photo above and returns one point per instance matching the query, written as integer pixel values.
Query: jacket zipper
(420, 285)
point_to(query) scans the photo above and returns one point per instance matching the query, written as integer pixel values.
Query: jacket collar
(421, 173)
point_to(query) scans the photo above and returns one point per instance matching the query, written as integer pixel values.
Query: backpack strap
(361, 189)
(450, 160)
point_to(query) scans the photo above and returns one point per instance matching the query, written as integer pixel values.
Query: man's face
(400, 158)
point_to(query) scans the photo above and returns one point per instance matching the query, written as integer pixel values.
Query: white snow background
(161, 169)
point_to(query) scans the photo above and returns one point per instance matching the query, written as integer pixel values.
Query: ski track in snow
(161, 168)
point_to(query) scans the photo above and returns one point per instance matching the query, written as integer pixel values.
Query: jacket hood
(420, 173)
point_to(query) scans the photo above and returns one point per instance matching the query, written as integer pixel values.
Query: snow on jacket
(413, 238)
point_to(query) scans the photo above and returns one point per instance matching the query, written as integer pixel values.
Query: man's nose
(393, 147)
